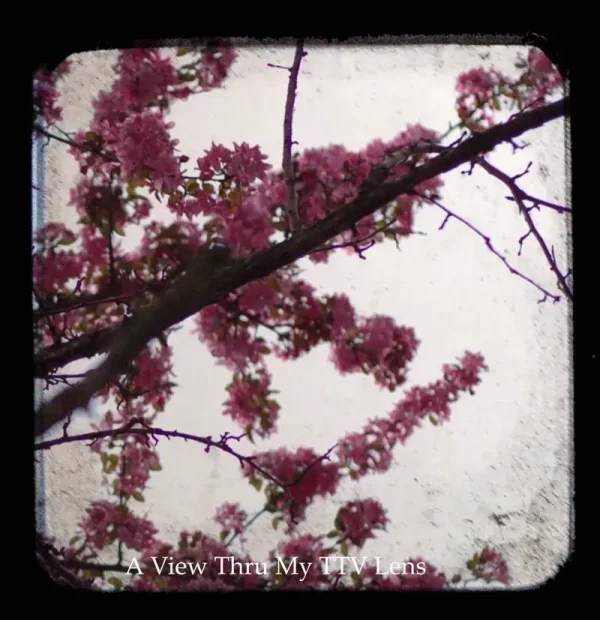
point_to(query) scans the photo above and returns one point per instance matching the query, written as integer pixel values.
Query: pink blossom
(201, 203)
(478, 82)
(46, 95)
(231, 517)
(99, 525)
(308, 476)
(343, 315)
(168, 246)
(214, 64)
(358, 520)
(137, 461)
(377, 347)
(413, 134)
(244, 163)
(489, 566)
(370, 450)
(539, 62)
(214, 161)
(309, 550)
(145, 150)
(106, 522)
(55, 266)
(250, 403)
(258, 296)
(145, 77)
(543, 79)
(136, 532)
(249, 228)
(247, 164)
(235, 347)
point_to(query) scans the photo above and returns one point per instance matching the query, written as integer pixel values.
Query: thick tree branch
(86, 345)
(55, 568)
(202, 287)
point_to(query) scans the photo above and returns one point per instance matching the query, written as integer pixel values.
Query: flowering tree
(227, 259)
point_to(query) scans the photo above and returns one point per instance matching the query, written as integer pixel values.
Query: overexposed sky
(505, 449)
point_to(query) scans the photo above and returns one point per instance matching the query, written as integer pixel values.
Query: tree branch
(488, 242)
(200, 288)
(76, 145)
(518, 197)
(86, 345)
(288, 165)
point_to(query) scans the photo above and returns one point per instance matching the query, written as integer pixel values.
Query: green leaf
(92, 573)
(333, 534)
(256, 483)
(67, 241)
(90, 136)
(455, 579)
(192, 186)
(182, 51)
(433, 420)
(115, 581)
(185, 77)
(223, 534)
(156, 467)
(275, 522)
(138, 496)
(265, 423)
(119, 231)
(355, 576)
(74, 540)
(344, 549)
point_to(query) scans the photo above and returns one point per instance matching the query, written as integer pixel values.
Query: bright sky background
(506, 449)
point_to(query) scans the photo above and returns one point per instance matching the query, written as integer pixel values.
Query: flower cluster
(231, 518)
(370, 449)
(45, 94)
(106, 523)
(489, 566)
(378, 347)
(303, 474)
(483, 92)
(357, 521)
(251, 405)
(137, 460)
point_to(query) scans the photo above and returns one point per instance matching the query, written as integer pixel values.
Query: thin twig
(288, 164)
(518, 197)
(76, 145)
(246, 526)
(488, 242)
(222, 444)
